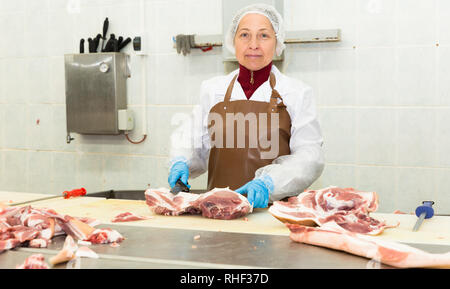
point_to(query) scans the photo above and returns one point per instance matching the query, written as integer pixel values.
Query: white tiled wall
(383, 93)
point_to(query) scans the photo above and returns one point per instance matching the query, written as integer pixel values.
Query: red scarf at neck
(251, 80)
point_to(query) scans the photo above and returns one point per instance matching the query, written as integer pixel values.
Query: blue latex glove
(257, 191)
(178, 170)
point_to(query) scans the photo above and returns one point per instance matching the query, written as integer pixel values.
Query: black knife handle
(124, 43)
(109, 46)
(119, 40)
(105, 27)
(90, 45)
(97, 41)
(82, 45)
(115, 45)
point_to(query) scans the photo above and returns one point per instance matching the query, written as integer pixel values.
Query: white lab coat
(291, 174)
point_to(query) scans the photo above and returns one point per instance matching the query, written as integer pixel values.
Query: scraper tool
(423, 212)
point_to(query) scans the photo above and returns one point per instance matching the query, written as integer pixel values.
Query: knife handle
(74, 193)
(82, 45)
(90, 45)
(105, 27)
(425, 208)
(115, 45)
(124, 43)
(97, 41)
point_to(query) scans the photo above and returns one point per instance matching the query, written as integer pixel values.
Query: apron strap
(230, 89)
(273, 98)
(275, 95)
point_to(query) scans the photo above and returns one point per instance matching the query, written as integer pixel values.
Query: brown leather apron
(233, 163)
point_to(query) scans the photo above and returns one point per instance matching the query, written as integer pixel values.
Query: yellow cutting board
(432, 231)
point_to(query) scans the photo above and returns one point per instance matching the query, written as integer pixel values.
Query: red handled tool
(74, 193)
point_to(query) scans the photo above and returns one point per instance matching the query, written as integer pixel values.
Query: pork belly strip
(390, 253)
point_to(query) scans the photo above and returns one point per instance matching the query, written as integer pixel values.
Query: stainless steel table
(174, 248)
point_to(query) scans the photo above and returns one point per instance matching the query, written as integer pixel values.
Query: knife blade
(179, 187)
(35, 200)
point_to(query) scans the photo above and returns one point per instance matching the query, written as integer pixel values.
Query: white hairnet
(264, 9)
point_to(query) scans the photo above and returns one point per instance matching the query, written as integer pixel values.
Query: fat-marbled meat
(346, 207)
(219, 203)
(391, 253)
(223, 204)
(35, 227)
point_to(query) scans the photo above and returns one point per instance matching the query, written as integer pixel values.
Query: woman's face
(255, 42)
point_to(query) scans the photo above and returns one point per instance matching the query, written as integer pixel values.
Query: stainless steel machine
(96, 93)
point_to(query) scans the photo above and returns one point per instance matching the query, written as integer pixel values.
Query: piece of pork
(35, 261)
(332, 236)
(347, 207)
(162, 202)
(219, 203)
(224, 204)
(129, 217)
(67, 253)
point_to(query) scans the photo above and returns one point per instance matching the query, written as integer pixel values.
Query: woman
(284, 110)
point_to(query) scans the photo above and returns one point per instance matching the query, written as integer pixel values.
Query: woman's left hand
(257, 193)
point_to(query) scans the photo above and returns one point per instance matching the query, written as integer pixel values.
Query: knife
(97, 41)
(105, 29)
(423, 212)
(82, 45)
(115, 45)
(124, 43)
(90, 45)
(179, 187)
(109, 47)
(119, 40)
(35, 200)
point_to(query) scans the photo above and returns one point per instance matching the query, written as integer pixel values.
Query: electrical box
(95, 92)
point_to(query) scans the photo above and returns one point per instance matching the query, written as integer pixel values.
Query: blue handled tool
(423, 212)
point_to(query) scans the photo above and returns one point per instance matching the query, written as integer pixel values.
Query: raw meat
(8, 244)
(36, 261)
(38, 243)
(76, 228)
(104, 236)
(331, 235)
(347, 207)
(223, 204)
(163, 202)
(128, 217)
(33, 227)
(67, 253)
(219, 203)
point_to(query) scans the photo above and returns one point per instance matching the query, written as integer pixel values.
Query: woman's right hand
(178, 170)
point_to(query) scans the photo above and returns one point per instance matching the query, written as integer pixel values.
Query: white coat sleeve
(292, 174)
(189, 142)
